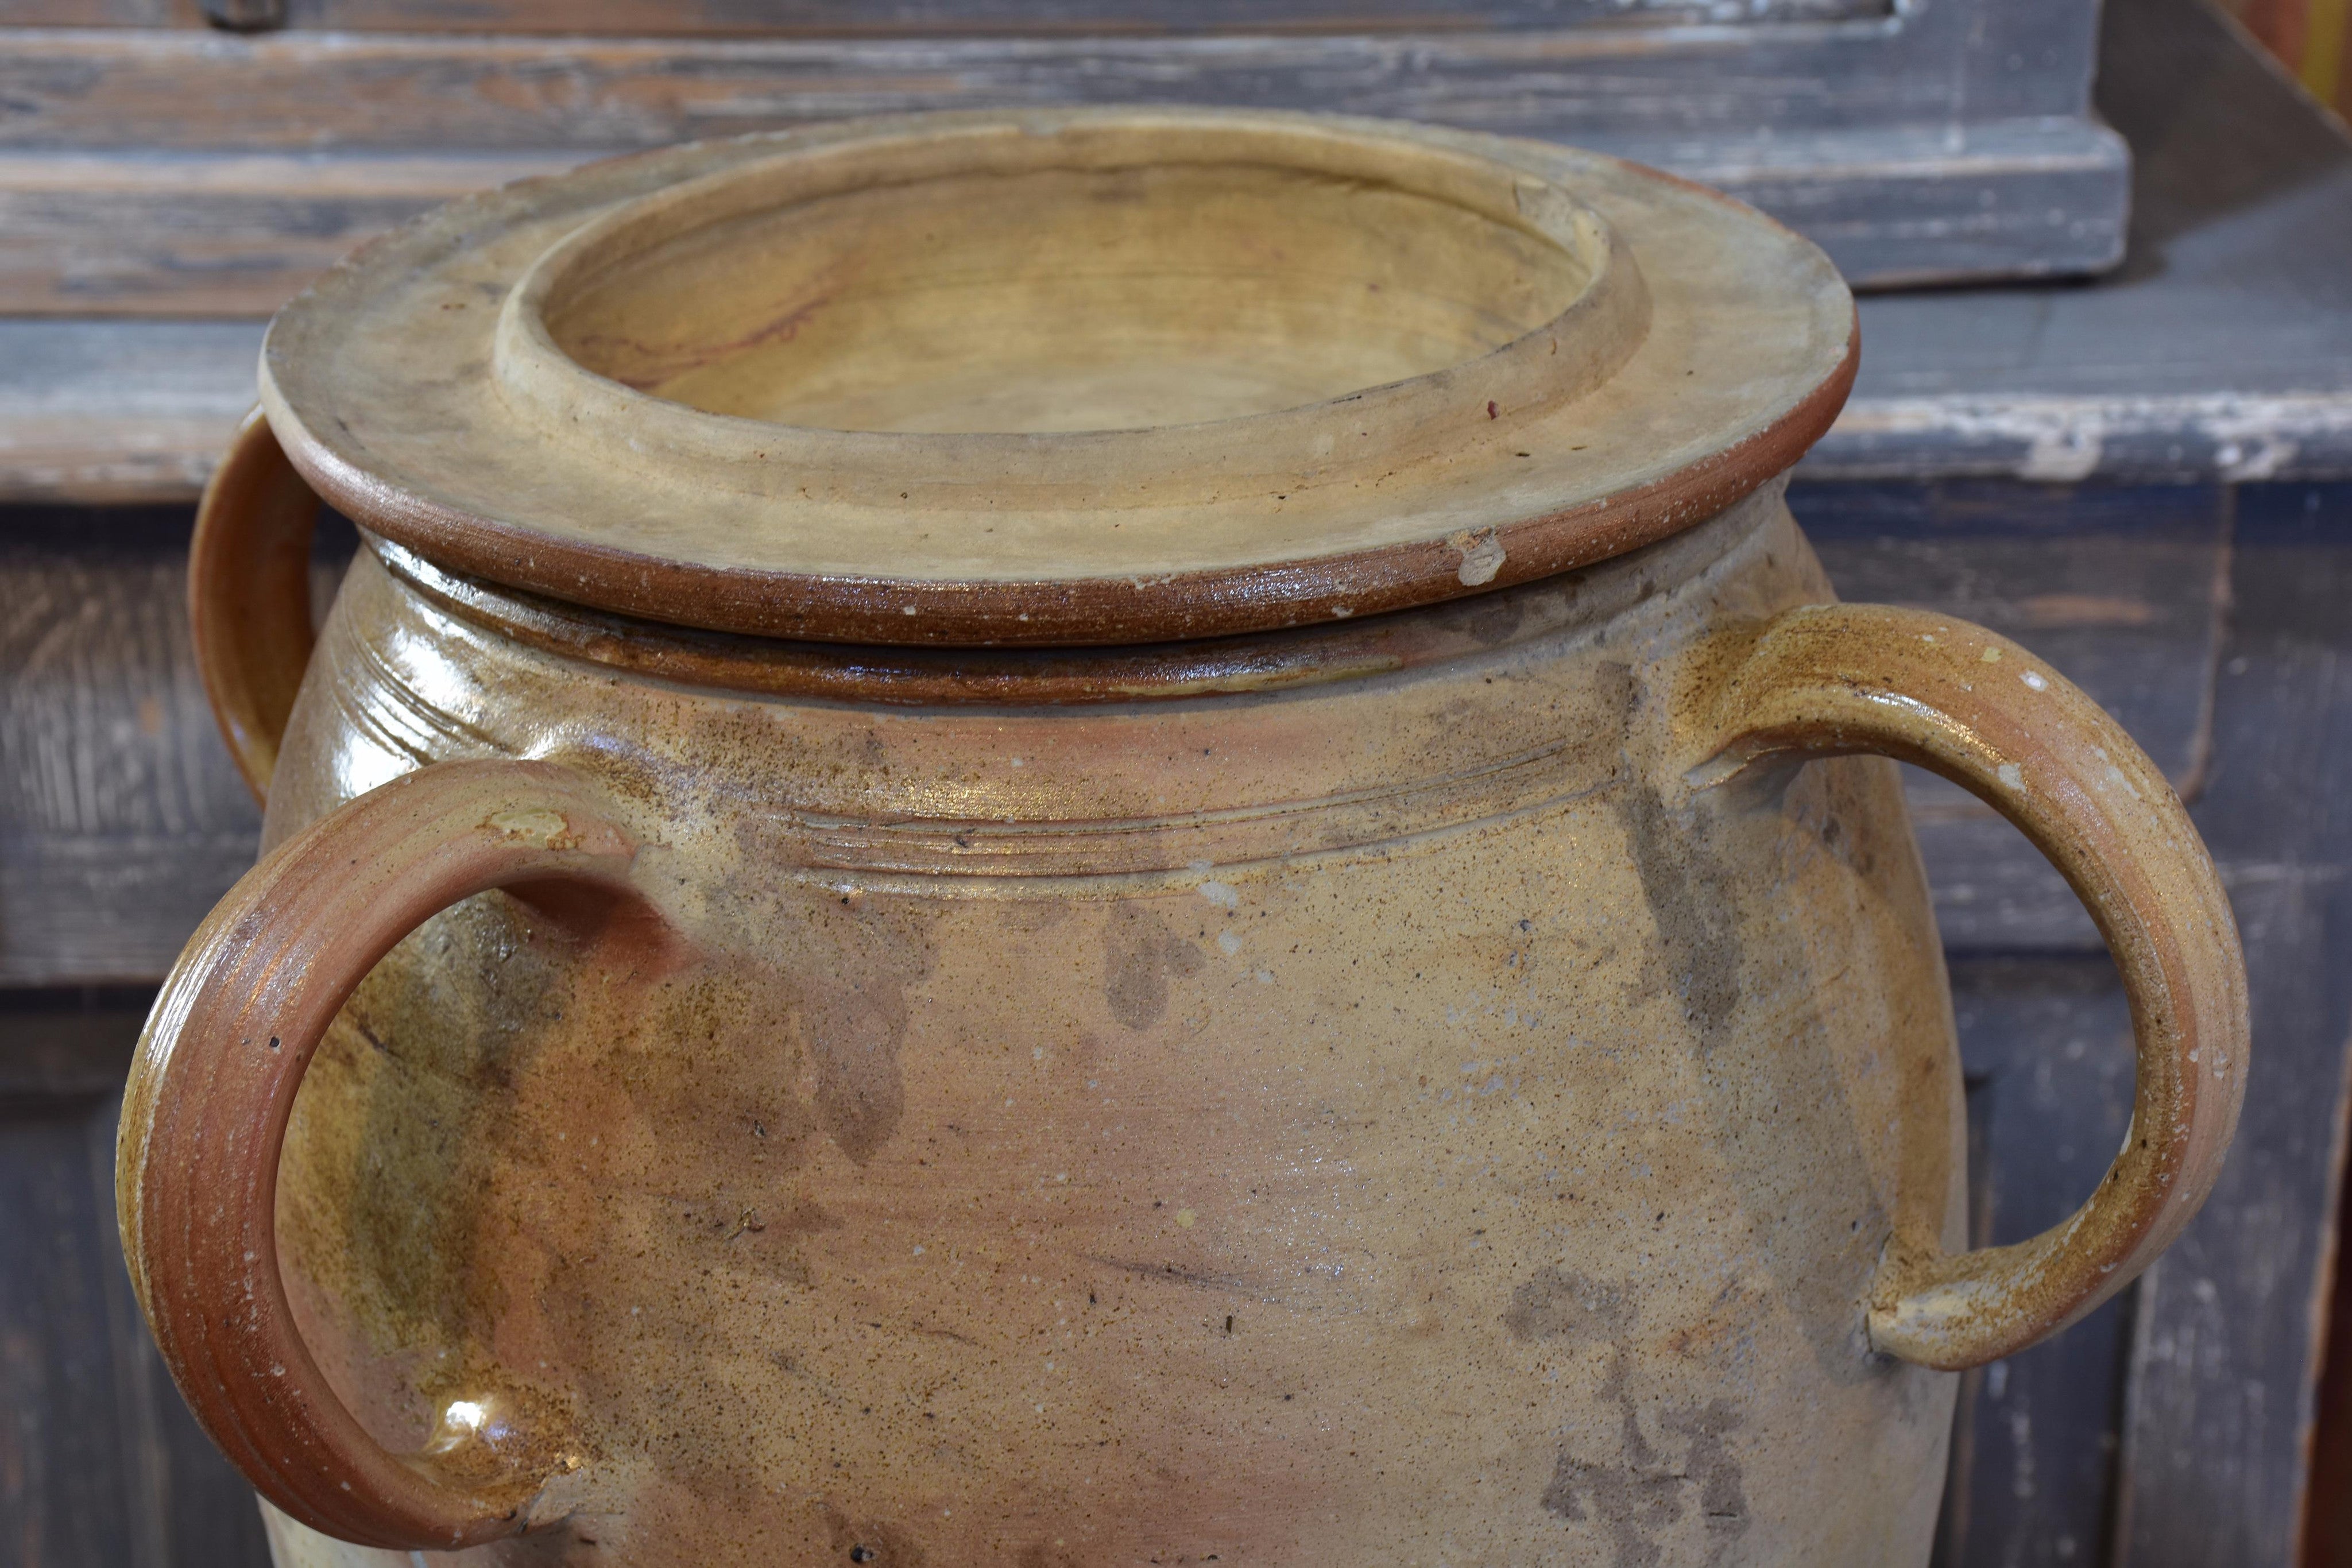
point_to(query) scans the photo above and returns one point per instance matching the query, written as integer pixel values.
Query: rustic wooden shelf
(150, 166)
(2222, 350)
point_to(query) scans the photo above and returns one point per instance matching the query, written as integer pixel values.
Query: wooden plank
(2045, 1044)
(2238, 436)
(121, 820)
(107, 908)
(235, 235)
(114, 411)
(182, 235)
(1942, 143)
(100, 1464)
(61, 1483)
(2224, 350)
(764, 18)
(2227, 1342)
(305, 91)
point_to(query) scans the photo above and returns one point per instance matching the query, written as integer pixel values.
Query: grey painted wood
(1938, 139)
(2223, 346)
(100, 1464)
(2045, 1044)
(1938, 64)
(119, 411)
(2226, 1345)
(872, 16)
(2222, 351)
(237, 233)
(122, 819)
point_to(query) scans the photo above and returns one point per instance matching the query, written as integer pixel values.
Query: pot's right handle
(205, 1113)
(249, 594)
(1841, 679)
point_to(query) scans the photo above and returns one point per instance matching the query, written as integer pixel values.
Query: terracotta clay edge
(1262, 597)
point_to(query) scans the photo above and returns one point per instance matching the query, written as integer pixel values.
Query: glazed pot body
(1393, 1118)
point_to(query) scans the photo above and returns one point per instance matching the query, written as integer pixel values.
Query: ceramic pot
(1104, 838)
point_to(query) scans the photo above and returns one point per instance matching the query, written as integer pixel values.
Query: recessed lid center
(1144, 289)
(1061, 300)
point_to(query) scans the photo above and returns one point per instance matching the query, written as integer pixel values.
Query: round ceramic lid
(1059, 377)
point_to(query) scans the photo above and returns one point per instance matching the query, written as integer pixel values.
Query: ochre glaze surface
(1394, 1121)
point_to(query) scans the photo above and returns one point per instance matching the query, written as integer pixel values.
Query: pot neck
(1564, 605)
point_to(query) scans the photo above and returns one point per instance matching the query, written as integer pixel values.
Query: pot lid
(1058, 376)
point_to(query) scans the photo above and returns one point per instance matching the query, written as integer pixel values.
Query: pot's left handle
(249, 594)
(223, 1053)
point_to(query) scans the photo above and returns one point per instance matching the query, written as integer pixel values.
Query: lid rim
(417, 442)
(1081, 611)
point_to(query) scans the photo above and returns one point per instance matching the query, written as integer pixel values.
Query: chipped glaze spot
(1482, 557)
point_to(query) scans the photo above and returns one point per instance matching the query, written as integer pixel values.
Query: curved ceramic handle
(1832, 680)
(249, 594)
(223, 1055)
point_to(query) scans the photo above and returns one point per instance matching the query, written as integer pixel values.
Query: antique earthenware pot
(1086, 839)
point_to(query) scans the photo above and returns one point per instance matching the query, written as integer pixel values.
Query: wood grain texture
(2045, 1043)
(196, 234)
(305, 91)
(119, 411)
(189, 232)
(123, 819)
(754, 17)
(2222, 352)
(1942, 141)
(2227, 1342)
(100, 1464)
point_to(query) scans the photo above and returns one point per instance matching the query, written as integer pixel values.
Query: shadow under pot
(1069, 839)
